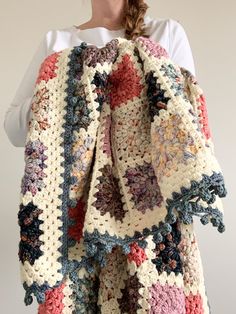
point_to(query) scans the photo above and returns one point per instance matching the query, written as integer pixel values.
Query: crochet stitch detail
(119, 160)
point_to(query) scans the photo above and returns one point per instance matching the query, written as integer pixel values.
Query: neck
(107, 13)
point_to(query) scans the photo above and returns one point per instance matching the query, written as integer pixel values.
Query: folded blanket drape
(119, 158)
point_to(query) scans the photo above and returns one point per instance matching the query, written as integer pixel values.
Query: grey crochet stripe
(86, 262)
(39, 290)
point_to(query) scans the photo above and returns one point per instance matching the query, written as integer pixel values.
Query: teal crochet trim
(207, 190)
(37, 290)
(69, 125)
(98, 245)
(85, 290)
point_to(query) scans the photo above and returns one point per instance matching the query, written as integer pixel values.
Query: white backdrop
(210, 26)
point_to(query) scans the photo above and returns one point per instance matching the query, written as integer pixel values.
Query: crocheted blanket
(119, 159)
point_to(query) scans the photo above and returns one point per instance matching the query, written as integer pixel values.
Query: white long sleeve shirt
(168, 32)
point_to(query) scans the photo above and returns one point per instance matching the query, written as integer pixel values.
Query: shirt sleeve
(17, 114)
(180, 50)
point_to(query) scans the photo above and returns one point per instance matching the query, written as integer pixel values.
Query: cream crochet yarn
(119, 158)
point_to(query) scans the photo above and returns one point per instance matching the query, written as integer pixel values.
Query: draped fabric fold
(119, 159)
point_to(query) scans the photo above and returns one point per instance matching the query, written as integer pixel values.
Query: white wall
(210, 26)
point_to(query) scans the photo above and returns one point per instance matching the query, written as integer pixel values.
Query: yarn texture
(119, 159)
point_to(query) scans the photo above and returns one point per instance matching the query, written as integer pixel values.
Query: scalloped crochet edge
(179, 207)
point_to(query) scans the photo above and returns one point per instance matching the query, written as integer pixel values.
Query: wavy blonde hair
(133, 21)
